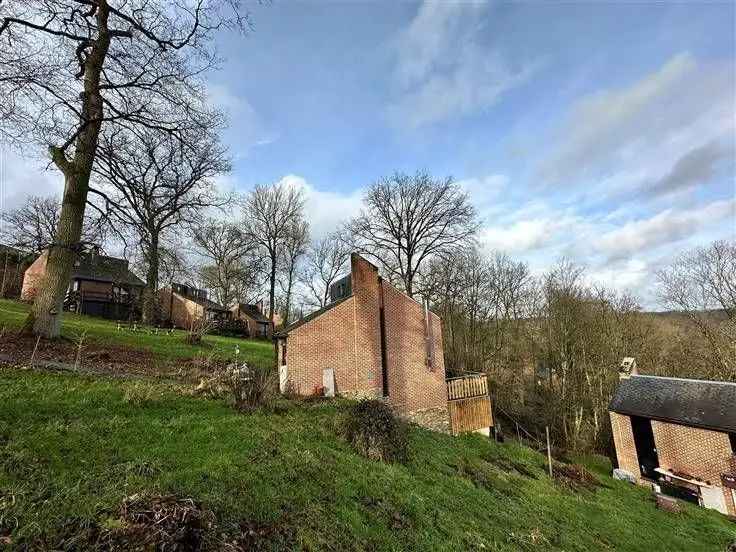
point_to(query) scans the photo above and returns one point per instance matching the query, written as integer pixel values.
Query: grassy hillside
(72, 447)
(165, 347)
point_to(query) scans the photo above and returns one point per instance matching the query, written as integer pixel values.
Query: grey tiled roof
(696, 403)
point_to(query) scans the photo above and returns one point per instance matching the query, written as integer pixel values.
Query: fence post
(549, 452)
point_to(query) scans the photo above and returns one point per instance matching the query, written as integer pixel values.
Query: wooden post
(549, 452)
(518, 435)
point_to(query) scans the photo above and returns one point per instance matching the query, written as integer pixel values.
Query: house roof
(253, 311)
(90, 266)
(311, 316)
(11, 250)
(206, 303)
(689, 402)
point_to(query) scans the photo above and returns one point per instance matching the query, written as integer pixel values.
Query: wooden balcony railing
(465, 387)
(469, 406)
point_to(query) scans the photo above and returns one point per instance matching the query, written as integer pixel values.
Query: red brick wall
(698, 452)
(347, 338)
(184, 311)
(366, 293)
(327, 341)
(412, 384)
(623, 438)
(32, 277)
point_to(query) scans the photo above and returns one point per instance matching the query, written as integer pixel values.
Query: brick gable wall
(347, 338)
(33, 276)
(413, 385)
(701, 453)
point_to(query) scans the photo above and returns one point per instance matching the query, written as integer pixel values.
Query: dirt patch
(256, 537)
(99, 358)
(574, 477)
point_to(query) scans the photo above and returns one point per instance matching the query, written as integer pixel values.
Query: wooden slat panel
(470, 386)
(470, 414)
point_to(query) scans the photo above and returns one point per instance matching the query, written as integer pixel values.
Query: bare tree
(295, 246)
(234, 270)
(69, 68)
(151, 183)
(31, 226)
(270, 212)
(326, 259)
(702, 284)
(408, 220)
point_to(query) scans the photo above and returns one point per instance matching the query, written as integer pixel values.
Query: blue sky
(603, 132)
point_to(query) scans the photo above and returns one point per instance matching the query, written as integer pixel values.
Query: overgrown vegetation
(374, 432)
(551, 344)
(73, 451)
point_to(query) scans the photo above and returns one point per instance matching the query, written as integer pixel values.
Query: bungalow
(372, 340)
(256, 324)
(99, 285)
(677, 434)
(183, 305)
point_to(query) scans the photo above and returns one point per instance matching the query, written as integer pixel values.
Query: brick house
(256, 323)
(99, 285)
(182, 305)
(13, 264)
(371, 340)
(679, 434)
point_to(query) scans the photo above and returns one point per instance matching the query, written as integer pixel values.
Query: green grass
(13, 313)
(75, 446)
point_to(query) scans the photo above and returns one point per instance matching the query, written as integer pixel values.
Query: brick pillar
(365, 285)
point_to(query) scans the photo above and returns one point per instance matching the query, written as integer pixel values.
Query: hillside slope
(73, 447)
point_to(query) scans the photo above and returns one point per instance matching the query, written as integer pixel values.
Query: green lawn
(13, 313)
(72, 447)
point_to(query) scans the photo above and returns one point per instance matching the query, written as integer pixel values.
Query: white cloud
(618, 141)
(485, 190)
(442, 69)
(23, 176)
(641, 236)
(325, 210)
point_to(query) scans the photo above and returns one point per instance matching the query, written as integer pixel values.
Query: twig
(33, 355)
(78, 358)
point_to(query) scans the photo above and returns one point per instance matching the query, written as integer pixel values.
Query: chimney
(627, 368)
(259, 305)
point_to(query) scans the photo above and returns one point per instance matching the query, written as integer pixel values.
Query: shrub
(250, 385)
(374, 432)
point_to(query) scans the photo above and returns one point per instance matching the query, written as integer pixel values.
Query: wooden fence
(469, 405)
(465, 387)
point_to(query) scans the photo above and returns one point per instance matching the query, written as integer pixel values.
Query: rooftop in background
(696, 403)
(254, 311)
(197, 295)
(101, 268)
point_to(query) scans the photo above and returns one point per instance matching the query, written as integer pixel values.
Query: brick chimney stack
(627, 368)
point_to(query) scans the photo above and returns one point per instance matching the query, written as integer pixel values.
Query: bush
(251, 385)
(374, 432)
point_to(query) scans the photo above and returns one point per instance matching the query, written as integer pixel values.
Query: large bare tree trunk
(45, 316)
(148, 312)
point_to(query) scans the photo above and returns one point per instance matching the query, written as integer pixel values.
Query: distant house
(372, 340)
(182, 305)
(679, 434)
(13, 264)
(256, 323)
(99, 286)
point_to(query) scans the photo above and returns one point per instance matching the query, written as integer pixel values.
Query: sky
(601, 132)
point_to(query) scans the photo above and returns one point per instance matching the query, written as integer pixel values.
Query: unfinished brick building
(679, 434)
(371, 340)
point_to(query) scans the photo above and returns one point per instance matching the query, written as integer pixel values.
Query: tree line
(114, 94)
